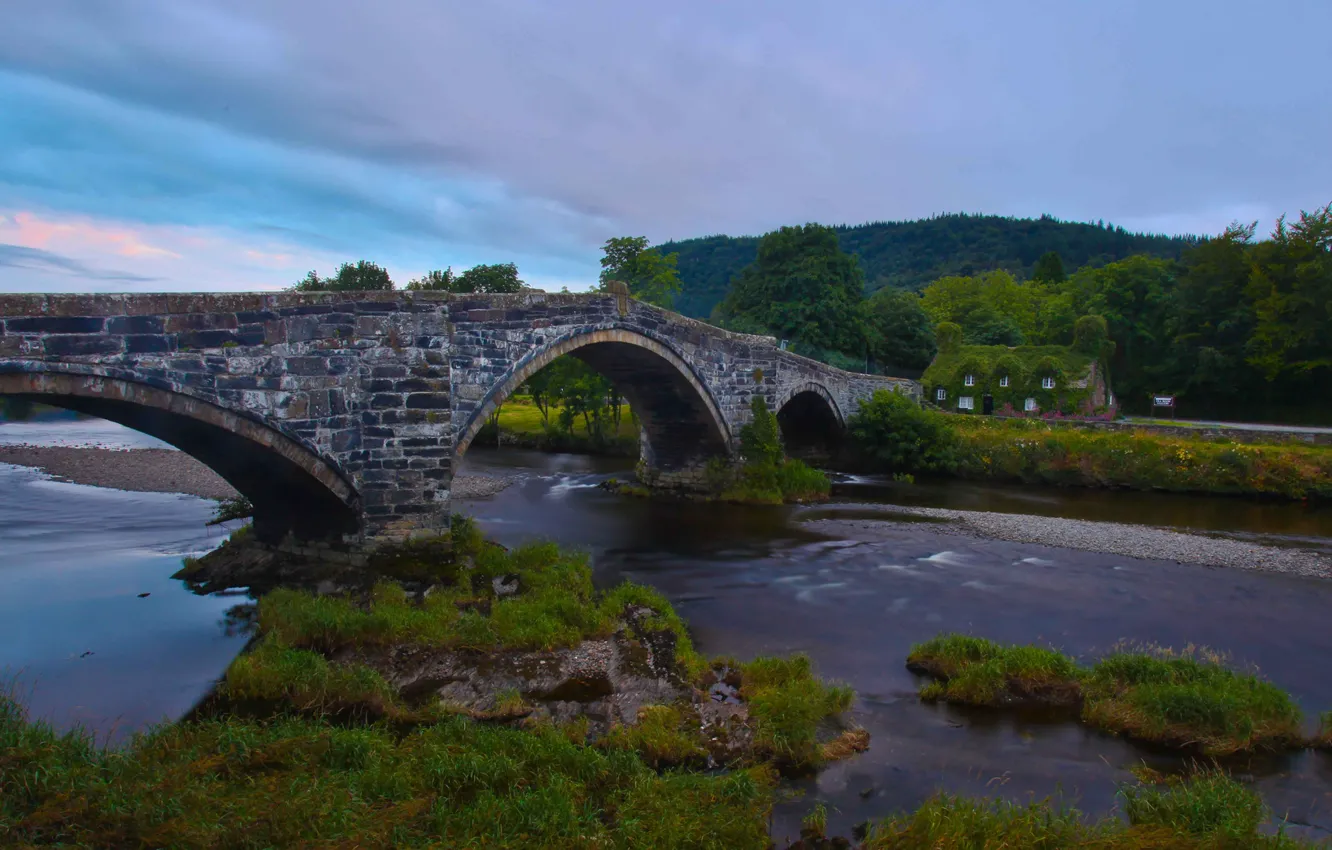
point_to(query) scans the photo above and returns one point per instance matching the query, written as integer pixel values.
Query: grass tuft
(977, 671)
(787, 705)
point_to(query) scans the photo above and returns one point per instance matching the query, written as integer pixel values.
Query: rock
(505, 585)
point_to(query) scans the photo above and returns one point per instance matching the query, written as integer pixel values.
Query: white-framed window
(1031, 404)
(966, 402)
(941, 394)
(1003, 382)
(969, 380)
(1047, 383)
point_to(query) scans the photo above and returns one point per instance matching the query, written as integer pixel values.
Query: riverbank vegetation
(1187, 699)
(893, 434)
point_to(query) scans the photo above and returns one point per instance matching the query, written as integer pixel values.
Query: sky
(155, 145)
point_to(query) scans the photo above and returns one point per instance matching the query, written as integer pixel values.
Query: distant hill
(911, 254)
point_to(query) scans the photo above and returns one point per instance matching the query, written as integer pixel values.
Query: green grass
(1182, 700)
(981, 672)
(304, 782)
(660, 737)
(787, 705)
(1187, 700)
(1207, 812)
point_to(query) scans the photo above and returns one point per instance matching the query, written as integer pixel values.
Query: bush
(895, 434)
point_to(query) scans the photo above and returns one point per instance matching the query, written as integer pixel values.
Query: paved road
(1248, 426)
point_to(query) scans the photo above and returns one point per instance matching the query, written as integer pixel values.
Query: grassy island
(1188, 700)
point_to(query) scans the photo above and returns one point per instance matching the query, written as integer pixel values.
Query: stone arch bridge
(342, 416)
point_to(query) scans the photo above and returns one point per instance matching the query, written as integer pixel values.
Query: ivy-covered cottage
(1023, 379)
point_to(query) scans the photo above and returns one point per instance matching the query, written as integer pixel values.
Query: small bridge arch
(680, 418)
(292, 488)
(811, 420)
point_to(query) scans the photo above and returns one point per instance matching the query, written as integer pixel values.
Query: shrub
(895, 434)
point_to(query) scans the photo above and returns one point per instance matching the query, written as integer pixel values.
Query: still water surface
(749, 580)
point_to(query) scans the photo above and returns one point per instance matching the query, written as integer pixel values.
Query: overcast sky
(236, 144)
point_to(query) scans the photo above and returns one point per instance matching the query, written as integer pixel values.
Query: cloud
(429, 134)
(35, 259)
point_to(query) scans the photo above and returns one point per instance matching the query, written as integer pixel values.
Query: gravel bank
(471, 486)
(1134, 541)
(140, 470)
(170, 471)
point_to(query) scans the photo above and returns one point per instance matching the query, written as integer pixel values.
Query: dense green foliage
(363, 276)
(650, 275)
(1188, 699)
(901, 335)
(801, 286)
(911, 254)
(894, 434)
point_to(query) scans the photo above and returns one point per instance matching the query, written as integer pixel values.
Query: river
(73, 561)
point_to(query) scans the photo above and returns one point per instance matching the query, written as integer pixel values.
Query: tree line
(1234, 326)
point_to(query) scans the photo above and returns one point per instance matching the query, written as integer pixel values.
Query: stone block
(56, 325)
(73, 345)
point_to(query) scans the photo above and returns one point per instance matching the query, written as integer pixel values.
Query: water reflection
(93, 631)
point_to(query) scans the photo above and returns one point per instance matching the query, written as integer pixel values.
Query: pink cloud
(166, 257)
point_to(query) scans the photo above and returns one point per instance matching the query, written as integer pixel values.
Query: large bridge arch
(682, 422)
(292, 488)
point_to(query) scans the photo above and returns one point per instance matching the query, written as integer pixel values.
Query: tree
(365, 276)
(1049, 269)
(900, 332)
(896, 434)
(435, 281)
(650, 276)
(492, 279)
(802, 287)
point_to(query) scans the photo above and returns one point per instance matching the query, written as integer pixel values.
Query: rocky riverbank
(1134, 541)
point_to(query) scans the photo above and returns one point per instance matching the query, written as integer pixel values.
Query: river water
(73, 561)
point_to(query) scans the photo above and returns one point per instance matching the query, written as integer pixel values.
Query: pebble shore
(1113, 538)
(169, 471)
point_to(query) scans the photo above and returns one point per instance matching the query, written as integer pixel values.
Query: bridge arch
(293, 489)
(810, 418)
(682, 422)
